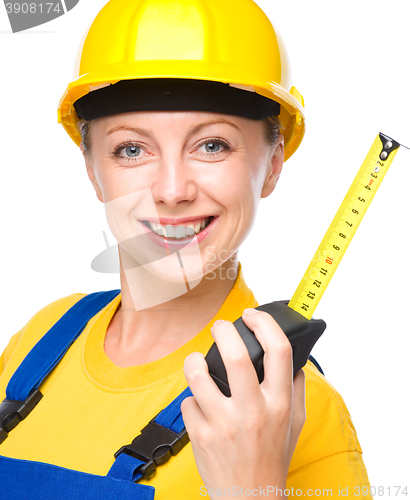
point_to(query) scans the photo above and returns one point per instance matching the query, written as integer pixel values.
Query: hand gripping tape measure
(295, 316)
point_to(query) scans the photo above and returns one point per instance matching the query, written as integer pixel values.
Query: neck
(137, 336)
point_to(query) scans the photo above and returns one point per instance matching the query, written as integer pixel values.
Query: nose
(174, 183)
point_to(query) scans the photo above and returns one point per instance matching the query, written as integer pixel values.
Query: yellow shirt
(92, 407)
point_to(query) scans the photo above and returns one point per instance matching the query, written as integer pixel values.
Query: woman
(172, 149)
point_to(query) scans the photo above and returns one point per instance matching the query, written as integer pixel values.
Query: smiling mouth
(177, 232)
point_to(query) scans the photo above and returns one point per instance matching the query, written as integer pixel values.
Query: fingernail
(249, 311)
(218, 321)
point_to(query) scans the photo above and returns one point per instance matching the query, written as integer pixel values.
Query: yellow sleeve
(328, 456)
(339, 475)
(22, 342)
(9, 350)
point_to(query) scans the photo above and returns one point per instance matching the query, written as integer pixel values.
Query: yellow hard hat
(227, 41)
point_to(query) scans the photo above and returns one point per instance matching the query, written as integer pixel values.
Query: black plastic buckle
(154, 446)
(13, 412)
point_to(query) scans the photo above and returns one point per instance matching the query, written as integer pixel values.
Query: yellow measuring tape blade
(344, 226)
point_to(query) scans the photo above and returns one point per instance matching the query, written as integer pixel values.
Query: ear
(91, 173)
(277, 157)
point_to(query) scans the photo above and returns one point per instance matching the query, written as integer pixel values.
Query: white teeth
(169, 231)
(180, 232)
(155, 226)
(177, 231)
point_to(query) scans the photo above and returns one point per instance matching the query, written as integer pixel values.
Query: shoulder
(24, 340)
(46, 317)
(328, 429)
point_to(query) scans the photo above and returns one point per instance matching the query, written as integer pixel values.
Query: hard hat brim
(291, 115)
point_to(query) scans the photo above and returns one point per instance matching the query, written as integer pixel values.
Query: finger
(192, 415)
(242, 377)
(299, 407)
(203, 388)
(299, 396)
(278, 362)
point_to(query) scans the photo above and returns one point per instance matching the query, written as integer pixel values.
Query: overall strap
(313, 360)
(22, 393)
(49, 350)
(164, 436)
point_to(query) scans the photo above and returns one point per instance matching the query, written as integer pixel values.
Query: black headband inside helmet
(172, 94)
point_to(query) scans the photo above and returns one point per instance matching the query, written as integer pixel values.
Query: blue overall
(164, 436)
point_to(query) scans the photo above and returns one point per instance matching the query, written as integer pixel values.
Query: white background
(350, 62)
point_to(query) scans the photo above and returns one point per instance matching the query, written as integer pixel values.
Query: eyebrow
(141, 131)
(192, 131)
(200, 126)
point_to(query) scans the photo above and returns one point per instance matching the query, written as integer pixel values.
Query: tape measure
(344, 225)
(295, 316)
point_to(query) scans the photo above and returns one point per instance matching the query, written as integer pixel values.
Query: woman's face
(183, 166)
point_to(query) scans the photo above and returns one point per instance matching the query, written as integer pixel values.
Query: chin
(162, 271)
(169, 268)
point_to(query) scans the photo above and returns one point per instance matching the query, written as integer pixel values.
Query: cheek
(227, 185)
(116, 182)
(236, 187)
(259, 170)
(243, 182)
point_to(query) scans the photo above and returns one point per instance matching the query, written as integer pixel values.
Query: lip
(174, 245)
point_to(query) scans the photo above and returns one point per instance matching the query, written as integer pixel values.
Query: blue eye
(128, 152)
(132, 151)
(212, 147)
